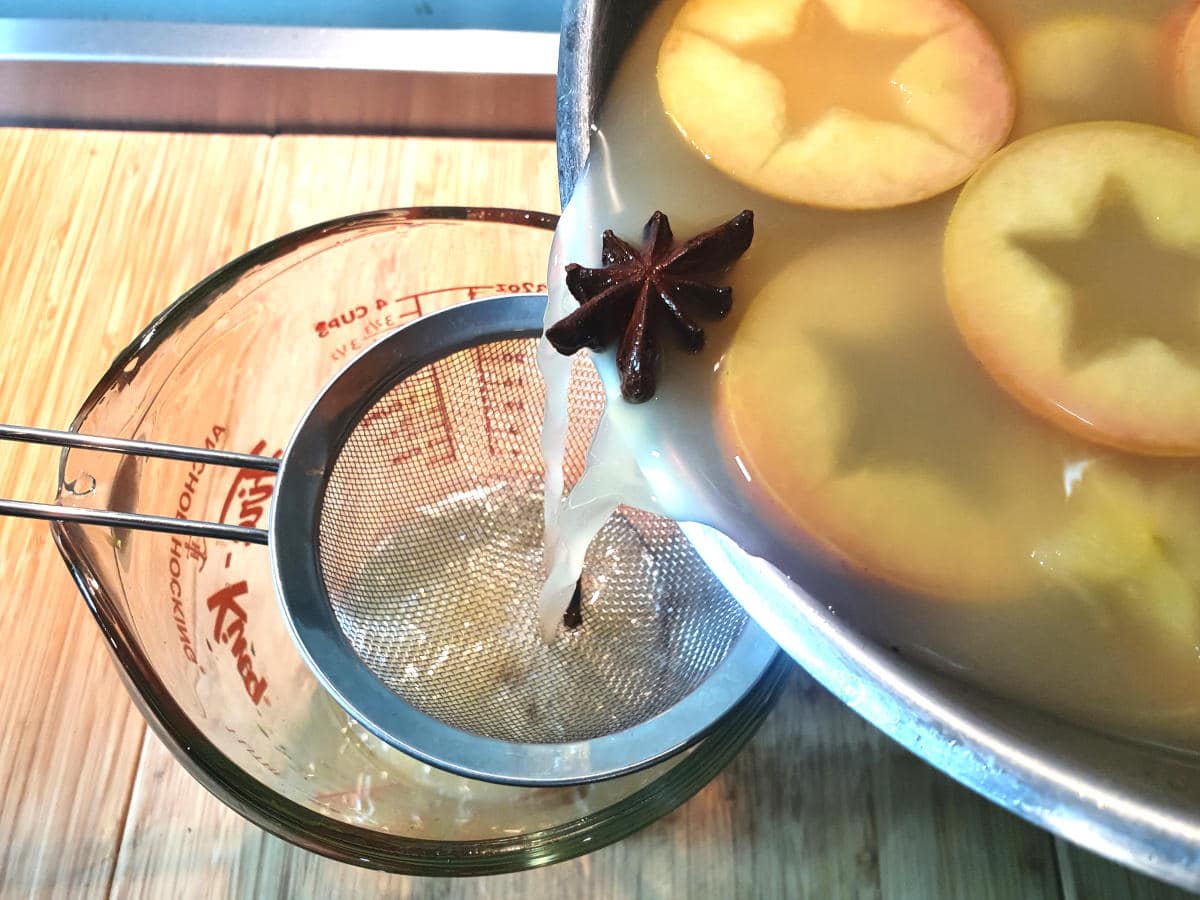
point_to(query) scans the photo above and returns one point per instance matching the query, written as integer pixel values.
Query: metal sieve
(405, 540)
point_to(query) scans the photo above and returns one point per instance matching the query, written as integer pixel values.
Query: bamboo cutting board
(98, 232)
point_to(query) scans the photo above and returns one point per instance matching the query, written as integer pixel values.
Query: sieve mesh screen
(429, 545)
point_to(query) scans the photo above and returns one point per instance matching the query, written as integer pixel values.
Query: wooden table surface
(98, 232)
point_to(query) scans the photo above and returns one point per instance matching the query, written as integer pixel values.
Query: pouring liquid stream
(634, 458)
(611, 477)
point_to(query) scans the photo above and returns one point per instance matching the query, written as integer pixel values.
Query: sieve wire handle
(136, 521)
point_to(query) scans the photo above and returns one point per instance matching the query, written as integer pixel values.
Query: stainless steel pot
(1136, 804)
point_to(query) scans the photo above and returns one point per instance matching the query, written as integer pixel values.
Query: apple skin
(1141, 395)
(949, 99)
(788, 413)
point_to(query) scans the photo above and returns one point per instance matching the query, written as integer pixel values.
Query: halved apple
(1072, 266)
(863, 424)
(837, 103)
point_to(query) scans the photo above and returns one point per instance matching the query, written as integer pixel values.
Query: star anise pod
(637, 291)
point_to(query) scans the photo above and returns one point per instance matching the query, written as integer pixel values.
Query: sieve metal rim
(310, 617)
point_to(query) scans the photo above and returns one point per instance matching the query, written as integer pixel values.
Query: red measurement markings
(406, 310)
(524, 287)
(417, 420)
(409, 306)
(406, 307)
(501, 388)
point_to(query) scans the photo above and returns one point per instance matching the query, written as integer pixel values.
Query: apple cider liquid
(967, 418)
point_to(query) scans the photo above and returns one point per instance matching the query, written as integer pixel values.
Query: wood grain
(101, 230)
